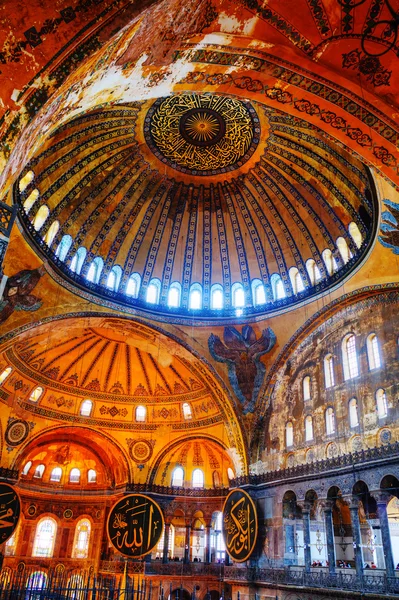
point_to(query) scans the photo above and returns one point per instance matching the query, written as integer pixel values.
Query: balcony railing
(377, 583)
(176, 491)
(350, 460)
(178, 569)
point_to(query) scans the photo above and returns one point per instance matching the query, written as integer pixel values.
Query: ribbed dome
(197, 204)
(118, 366)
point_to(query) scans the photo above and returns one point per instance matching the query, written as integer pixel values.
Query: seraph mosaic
(389, 230)
(241, 352)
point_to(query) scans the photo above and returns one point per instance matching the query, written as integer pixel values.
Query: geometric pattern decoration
(17, 431)
(140, 450)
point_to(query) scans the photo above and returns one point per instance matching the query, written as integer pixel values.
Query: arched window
(171, 542)
(382, 405)
(178, 477)
(187, 413)
(349, 357)
(82, 539)
(217, 300)
(43, 544)
(373, 352)
(277, 286)
(85, 408)
(329, 261)
(91, 476)
(5, 374)
(355, 234)
(41, 217)
(330, 421)
(140, 414)
(353, 413)
(308, 428)
(11, 545)
(174, 294)
(133, 285)
(343, 249)
(78, 260)
(230, 473)
(94, 272)
(198, 478)
(30, 200)
(26, 180)
(296, 280)
(51, 232)
(63, 247)
(306, 388)
(74, 475)
(26, 468)
(329, 371)
(38, 474)
(289, 434)
(195, 297)
(36, 393)
(313, 271)
(56, 474)
(153, 291)
(237, 295)
(258, 292)
(114, 278)
(36, 581)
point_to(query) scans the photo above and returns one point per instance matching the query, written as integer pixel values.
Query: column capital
(382, 497)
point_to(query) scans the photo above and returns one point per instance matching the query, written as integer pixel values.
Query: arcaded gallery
(199, 299)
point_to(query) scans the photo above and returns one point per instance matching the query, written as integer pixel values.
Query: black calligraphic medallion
(10, 509)
(135, 525)
(240, 525)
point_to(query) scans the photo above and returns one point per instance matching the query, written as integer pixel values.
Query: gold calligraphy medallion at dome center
(202, 134)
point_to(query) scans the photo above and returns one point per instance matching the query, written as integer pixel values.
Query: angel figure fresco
(241, 352)
(17, 293)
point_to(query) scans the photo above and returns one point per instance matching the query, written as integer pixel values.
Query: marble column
(357, 537)
(382, 501)
(330, 537)
(187, 546)
(165, 558)
(208, 545)
(306, 538)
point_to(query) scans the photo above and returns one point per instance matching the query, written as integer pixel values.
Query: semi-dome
(196, 205)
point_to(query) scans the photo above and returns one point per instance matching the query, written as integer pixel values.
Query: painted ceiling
(196, 189)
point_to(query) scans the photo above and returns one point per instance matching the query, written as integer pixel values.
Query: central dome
(202, 134)
(196, 205)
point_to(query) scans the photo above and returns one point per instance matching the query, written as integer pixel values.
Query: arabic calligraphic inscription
(202, 134)
(135, 525)
(240, 525)
(10, 508)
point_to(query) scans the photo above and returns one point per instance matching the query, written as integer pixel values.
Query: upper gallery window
(382, 405)
(329, 370)
(353, 413)
(349, 357)
(373, 352)
(330, 421)
(306, 388)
